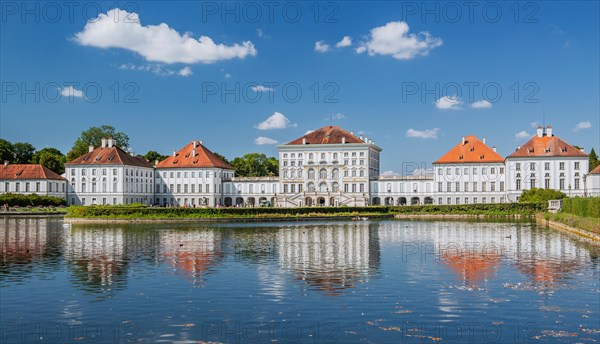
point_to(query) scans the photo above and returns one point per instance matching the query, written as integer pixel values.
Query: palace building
(326, 167)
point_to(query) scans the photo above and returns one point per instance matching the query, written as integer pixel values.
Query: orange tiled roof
(327, 135)
(596, 170)
(471, 151)
(109, 156)
(546, 146)
(27, 171)
(185, 158)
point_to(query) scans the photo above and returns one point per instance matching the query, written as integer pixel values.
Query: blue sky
(170, 85)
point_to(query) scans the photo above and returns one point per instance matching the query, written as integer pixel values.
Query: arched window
(311, 174)
(335, 187)
(311, 187)
(94, 185)
(335, 174)
(322, 187)
(334, 156)
(322, 156)
(114, 185)
(103, 184)
(310, 156)
(323, 174)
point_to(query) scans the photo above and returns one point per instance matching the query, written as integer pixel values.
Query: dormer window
(472, 149)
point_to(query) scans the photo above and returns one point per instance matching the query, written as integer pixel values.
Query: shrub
(33, 200)
(587, 207)
(540, 195)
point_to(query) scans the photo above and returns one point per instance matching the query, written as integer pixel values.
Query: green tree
(52, 158)
(6, 151)
(22, 152)
(594, 162)
(255, 165)
(221, 157)
(540, 195)
(153, 156)
(93, 137)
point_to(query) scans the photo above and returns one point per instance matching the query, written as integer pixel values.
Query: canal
(312, 282)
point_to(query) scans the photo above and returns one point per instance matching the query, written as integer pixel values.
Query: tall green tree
(22, 152)
(93, 137)
(594, 162)
(255, 165)
(52, 158)
(153, 156)
(6, 151)
(222, 157)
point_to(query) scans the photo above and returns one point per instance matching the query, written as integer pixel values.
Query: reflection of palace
(473, 251)
(330, 258)
(98, 255)
(22, 241)
(191, 252)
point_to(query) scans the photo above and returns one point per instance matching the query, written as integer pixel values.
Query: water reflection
(97, 258)
(191, 253)
(330, 258)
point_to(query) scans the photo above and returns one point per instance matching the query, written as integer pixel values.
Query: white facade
(402, 190)
(592, 183)
(190, 187)
(470, 183)
(108, 175)
(327, 174)
(43, 187)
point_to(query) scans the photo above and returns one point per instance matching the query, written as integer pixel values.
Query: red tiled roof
(185, 158)
(471, 151)
(27, 171)
(546, 146)
(596, 170)
(327, 135)
(109, 156)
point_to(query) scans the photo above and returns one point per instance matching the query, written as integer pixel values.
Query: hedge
(586, 207)
(158, 212)
(33, 200)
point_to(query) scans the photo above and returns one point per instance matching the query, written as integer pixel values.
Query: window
(501, 186)
(37, 187)
(562, 184)
(547, 166)
(492, 186)
(518, 166)
(532, 182)
(439, 171)
(335, 173)
(577, 184)
(353, 187)
(561, 166)
(26, 186)
(474, 170)
(448, 171)
(311, 187)
(483, 186)
(466, 171)
(323, 174)
(345, 187)
(492, 170)
(362, 187)
(178, 188)
(475, 186)
(547, 183)
(518, 184)
(532, 166)
(466, 186)
(448, 200)
(311, 174)
(440, 187)
(185, 188)
(501, 170)
(577, 165)
(448, 187)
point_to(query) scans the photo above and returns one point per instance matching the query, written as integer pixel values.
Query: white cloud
(338, 116)
(345, 42)
(423, 172)
(276, 121)
(522, 135)
(156, 43)
(481, 104)
(260, 88)
(261, 140)
(322, 47)
(423, 134)
(389, 173)
(449, 103)
(582, 125)
(393, 39)
(227, 75)
(185, 71)
(157, 69)
(534, 124)
(70, 91)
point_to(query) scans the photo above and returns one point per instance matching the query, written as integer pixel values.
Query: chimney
(90, 148)
(5, 162)
(156, 163)
(463, 140)
(494, 148)
(549, 131)
(103, 145)
(200, 142)
(582, 150)
(174, 153)
(195, 144)
(540, 131)
(194, 152)
(361, 137)
(110, 142)
(343, 139)
(484, 140)
(352, 133)
(304, 140)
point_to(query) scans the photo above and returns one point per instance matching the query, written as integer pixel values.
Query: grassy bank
(141, 212)
(589, 224)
